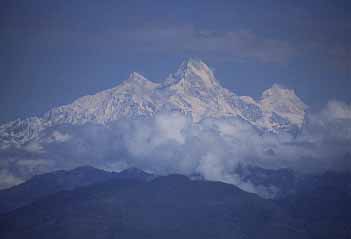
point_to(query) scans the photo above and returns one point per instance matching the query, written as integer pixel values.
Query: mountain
(46, 184)
(167, 207)
(323, 203)
(135, 174)
(269, 183)
(89, 203)
(121, 127)
(193, 90)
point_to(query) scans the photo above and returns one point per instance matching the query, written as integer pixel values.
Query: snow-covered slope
(193, 90)
(134, 97)
(278, 102)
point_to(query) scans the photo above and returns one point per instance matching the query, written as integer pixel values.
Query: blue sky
(52, 52)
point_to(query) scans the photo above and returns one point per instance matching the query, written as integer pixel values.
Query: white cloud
(241, 44)
(34, 147)
(170, 127)
(170, 143)
(337, 110)
(60, 137)
(8, 179)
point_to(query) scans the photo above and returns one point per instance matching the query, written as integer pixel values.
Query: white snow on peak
(277, 90)
(193, 90)
(136, 80)
(133, 97)
(18, 132)
(194, 73)
(248, 100)
(285, 103)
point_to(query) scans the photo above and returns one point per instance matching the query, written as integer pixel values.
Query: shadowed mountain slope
(166, 207)
(50, 183)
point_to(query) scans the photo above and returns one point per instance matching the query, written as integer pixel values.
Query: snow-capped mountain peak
(136, 80)
(278, 90)
(283, 102)
(193, 90)
(193, 73)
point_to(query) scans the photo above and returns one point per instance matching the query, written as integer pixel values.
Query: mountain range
(192, 90)
(127, 125)
(89, 203)
(43, 185)
(188, 124)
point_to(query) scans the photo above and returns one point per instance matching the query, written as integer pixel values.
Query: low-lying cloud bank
(171, 143)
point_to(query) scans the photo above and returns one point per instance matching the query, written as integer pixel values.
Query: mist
(172, 143)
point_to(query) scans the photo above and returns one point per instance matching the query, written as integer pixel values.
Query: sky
(52, 52)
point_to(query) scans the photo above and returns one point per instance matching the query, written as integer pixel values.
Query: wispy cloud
(213, 148)
(241, 44)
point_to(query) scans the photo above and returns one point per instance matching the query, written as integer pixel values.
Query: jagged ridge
(193, 90)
